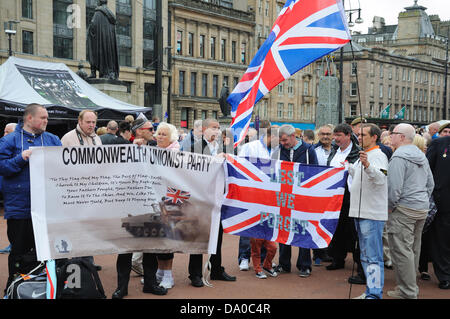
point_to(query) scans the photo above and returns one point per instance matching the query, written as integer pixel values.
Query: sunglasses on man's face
(147, 128)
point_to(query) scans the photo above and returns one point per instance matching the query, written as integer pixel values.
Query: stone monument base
(224, 122)
(114, 88)
(327, 111)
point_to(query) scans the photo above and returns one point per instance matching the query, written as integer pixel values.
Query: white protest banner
(124, 198)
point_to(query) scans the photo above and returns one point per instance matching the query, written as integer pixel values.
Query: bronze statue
(224, 106)
(102, 45)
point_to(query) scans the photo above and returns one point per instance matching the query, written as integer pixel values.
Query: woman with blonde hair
(420, 142)
(166, 137)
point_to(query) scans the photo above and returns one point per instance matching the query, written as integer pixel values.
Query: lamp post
(10, 30)
(341, 62)
(444, 100)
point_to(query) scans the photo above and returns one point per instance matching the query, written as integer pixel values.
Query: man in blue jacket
(14, 167)
(294, 150)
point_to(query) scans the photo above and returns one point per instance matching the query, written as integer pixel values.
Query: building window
(124, 56)
(307, 111)
(124, 31)
(179, 42)
(63, 47)
(306, 88)
(149, 37)
(243, 53)
(223, 49)
(213, 47)
(27, 9)
(181, 83)
(202, 46)
(204, 115)
(403, 93)
(27, 42)
(233, 51)
(353, 68)
(191, 44)
(265, 107)
(290, 88)
(353, 89)
(215, 85)
(353, 108)
(408, 94)
(290, 111)
(281, 88)
(390, 92)
(193, 83)
(62, 35)
(204, 84)
(280, 107)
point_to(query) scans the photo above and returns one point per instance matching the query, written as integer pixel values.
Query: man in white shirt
(368, 207)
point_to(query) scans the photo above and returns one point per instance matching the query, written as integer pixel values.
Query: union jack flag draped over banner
(286, 202)
(304, 31)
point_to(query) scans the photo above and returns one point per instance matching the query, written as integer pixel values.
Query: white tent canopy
(58, 88)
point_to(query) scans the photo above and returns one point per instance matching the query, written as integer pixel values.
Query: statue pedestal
(327, 111)
(114, 88)
(224, 122)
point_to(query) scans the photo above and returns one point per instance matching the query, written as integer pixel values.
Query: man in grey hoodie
(410, 184)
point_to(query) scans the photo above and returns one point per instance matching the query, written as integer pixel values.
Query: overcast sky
(389, 10)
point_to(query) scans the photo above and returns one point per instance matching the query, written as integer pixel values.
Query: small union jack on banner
(290, 203)
(304, 31)
(176, 196)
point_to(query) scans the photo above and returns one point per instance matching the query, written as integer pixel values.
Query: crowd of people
(394, 213)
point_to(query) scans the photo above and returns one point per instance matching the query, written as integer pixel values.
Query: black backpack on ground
(77, 278)
(32, 285)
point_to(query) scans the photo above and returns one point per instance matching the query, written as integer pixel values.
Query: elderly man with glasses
(410, 184)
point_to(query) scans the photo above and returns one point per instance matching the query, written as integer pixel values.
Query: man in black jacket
(294, 150)
(210, 144)
(345, 238)
(438, 154)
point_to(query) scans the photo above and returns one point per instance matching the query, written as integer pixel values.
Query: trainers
(280, 270)
(167, 282)
(363, 296)
(6, 250)
(243, 266)
(395, 294)
(261, 275)
(305, 273)
(271, 272)
(137, 268)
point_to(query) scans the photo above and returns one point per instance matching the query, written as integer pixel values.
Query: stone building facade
(400, 65)
(211, 44)
(55, 30)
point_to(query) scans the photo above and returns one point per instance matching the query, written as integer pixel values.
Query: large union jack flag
(304, 31)
(286, 202)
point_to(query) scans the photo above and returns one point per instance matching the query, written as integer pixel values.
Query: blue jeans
(370, 235)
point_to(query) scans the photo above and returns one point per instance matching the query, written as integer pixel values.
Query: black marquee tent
(59, 89)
